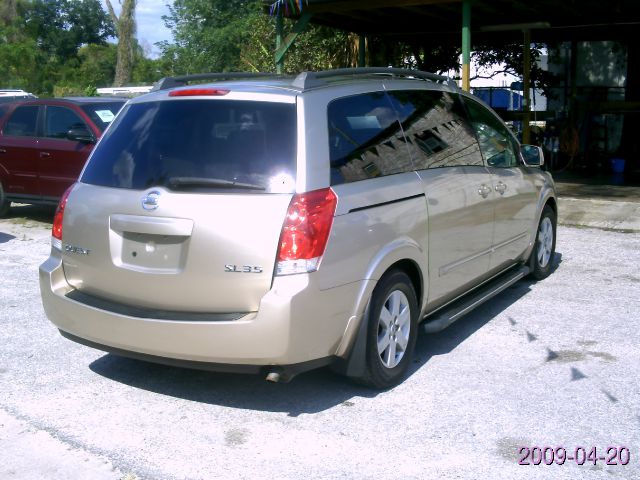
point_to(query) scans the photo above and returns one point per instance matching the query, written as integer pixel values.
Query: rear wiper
(197, 182)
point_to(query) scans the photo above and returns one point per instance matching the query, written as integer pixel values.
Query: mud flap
(355, 364)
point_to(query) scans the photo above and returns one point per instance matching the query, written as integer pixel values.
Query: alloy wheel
(545, 242)
(394, 328)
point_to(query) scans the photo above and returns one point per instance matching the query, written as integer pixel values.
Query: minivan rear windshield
(199, 145)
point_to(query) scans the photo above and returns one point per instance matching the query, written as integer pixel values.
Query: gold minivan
(272, 224)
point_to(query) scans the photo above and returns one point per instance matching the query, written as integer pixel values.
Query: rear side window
(59, 120)
(365, 139)
(101, 114)
(198, 145)
(4, 108)
(436, 129)
(22, 122)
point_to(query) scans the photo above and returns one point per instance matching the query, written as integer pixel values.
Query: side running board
(463, 306)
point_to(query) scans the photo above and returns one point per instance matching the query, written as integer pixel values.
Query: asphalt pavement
(548, 364)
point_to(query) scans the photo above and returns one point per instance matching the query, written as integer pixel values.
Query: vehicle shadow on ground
(311, 392)
(430, 345)
(38, 213)
(6, 237)
(433, 344)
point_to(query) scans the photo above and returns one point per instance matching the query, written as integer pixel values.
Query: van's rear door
(181, 205)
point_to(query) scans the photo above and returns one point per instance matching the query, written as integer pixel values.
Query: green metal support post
(466, 45)
(283, 45)
(526, 87)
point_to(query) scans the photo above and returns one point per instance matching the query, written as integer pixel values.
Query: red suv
(44, 145)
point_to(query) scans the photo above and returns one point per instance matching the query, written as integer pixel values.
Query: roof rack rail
(308, 80)
(181, 80)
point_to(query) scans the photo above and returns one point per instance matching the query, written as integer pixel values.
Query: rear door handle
(45, 154)
(484, 191)
(2, 150)
(501, 188)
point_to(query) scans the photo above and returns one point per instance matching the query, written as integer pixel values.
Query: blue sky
(151, 27)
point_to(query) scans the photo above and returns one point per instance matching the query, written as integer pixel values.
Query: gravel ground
(554, 363)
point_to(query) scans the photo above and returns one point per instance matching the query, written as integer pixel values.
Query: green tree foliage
(60, 27)
(434, 56)
(208, 34)
(20, 58)
(59, 47)
(20, 63)
(94, 66)
(320, 48)
(511, 57)
(237, 35)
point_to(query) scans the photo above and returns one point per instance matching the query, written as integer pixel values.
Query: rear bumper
(285, 372)
(297, 326)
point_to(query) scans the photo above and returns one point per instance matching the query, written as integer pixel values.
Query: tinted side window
(22, 122)
(435, 126)
(4, 107)
(496, 142)
(59, 120)
(365, 139)
(101, 114)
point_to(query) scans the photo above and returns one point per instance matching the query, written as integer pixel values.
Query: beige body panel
(374, 218)
(515, 212)
(460, 228)
(301, 317)
(189, 254)
(296, 322)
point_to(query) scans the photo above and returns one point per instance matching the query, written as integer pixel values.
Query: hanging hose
(569, 144)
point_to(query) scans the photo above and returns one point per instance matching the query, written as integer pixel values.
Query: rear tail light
(56, 230)
(305, 231)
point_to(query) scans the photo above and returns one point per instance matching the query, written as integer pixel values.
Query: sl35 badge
(73, 249)
(242, 268)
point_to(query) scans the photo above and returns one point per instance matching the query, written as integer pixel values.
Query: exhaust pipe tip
(279, 375)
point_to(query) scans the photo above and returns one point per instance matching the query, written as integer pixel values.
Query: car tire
(541, 259)
(5, 204)
(392, 318)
